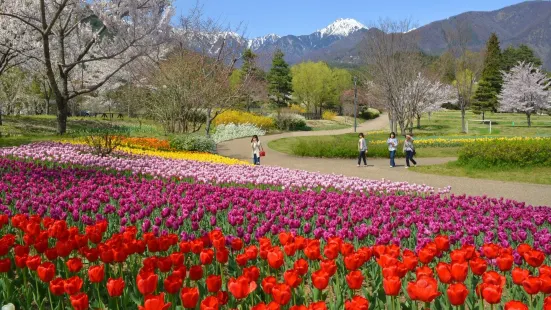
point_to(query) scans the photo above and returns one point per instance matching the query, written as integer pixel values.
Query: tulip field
(151, 228)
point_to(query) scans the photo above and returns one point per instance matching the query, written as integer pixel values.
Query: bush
(289, 121)
(226, 132)
(369, 113)
(297, 109)
(335, 147)
(507, 153)
(195, 143)
(328, 115)
(451, 106)
(239, 117)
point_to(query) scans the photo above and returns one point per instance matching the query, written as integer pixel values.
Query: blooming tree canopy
(82, 44)
(524, 90)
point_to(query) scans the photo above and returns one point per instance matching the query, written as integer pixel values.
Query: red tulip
(534, 258)
(505, 262)
(352, 262)
(427, 254)
(424, 271)
(275, 258)
(72, 285)
(299, 308)
(531, 285)
(177, 259)
(478, 266)
(173, 283)
(241, 287)
(252, 252)
(206, 257)
(519, 275)
(237, 244)
(155, 303)
(459, 271)
(392, 286)
(33, 262)
(492, 277)
(292, 278)
(281, 293)
(74, 264)
(458, 256)
(547, 303)
(320, 279)
(46, 272)
(356, 303)
(57, 286)
(79, 301)
(285, 237)
(271, 306)
(355, 279)
(115, 287)
(222, 255)
(424, 289)
(457, 294)
(312, 250)
(222, 297)
(190, 297)
(329, 266)
(242, 259)
(253, 273)
(545, 284)
(346, 248)
(444, 273)
(210, 303)
(442, 243)
(214, 283)
(147, 282)
(491, 292)
(318, 305)
(490, 250)
(164, 263)
(96, 273)
(196, 272)
(410, 262)
(268, 283)
(301, 266)
(515, 305)
(331, 251)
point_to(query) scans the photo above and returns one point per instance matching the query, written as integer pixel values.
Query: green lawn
(537, 175)
(17, 130)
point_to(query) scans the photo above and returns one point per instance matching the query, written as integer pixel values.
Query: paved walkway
(535, 194)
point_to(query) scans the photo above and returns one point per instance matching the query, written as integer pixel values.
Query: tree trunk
(463, 126)
(529, 121)
(0, 117)
(209, 120)
(482, 115)
(62, 113)
(418, 121)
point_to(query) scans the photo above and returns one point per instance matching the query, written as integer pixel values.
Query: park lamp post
(355, 103)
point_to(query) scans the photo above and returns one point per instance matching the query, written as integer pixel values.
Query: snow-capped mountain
(341, 27)
(257, 43)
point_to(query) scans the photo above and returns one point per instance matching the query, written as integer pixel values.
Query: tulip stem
(50, 297)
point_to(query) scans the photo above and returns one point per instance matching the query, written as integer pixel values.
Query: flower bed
(207, 172)
(226, 132)
(94, 266)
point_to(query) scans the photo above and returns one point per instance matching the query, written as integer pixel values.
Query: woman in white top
(409, 150)
(392, 145)
(257, 148)
(362, 148)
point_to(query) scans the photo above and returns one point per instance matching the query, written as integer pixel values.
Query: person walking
(362, 148)
(409, 149)
(257, 148)
(392, 145)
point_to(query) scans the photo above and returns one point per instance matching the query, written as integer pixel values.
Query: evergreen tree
(512, 56)
(485, 98)
(249, 62)
(279, 79)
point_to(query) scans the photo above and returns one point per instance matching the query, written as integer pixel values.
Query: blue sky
(298, 17)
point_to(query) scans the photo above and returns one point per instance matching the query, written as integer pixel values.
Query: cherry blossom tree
(82, 44)
(524, 90)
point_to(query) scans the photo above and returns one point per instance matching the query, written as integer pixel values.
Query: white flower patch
(232, 131)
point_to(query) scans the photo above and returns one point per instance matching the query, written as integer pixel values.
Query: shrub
(227, 132)
(335, 147)
(328, 115)
(289, 121)
(297, 108)
(104, 141)
(191, 142)
(239, 117)
(507, 153)
(369, 113)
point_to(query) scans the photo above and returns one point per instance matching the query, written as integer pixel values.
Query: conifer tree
(279, 79)
(489, 87)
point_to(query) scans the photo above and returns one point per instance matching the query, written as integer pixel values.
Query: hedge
(517, 153)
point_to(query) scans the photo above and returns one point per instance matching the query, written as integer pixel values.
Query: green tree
(279, 79)
(342, 80)
(511, 56)
(312, 84)
(485, 98)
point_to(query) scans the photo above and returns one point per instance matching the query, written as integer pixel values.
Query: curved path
(536, 194)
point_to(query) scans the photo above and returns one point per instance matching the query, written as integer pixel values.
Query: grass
(537, 175)
(17, 130)
(340, 122)
(344, 146)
